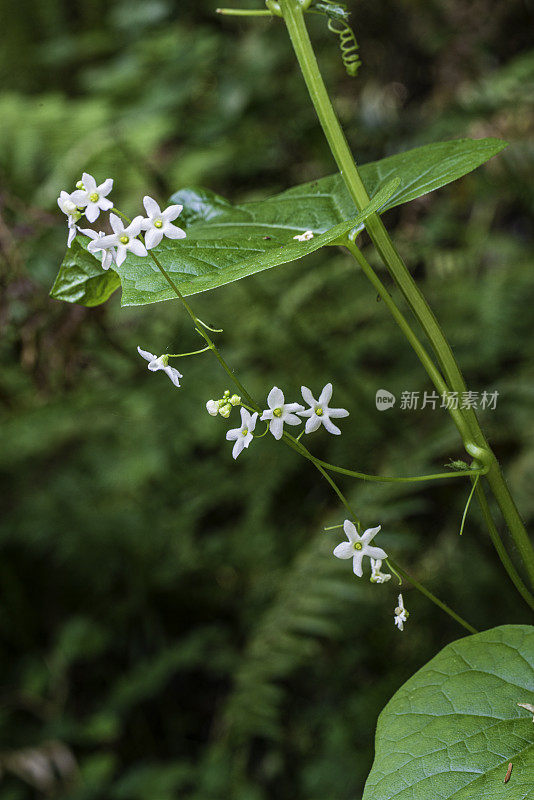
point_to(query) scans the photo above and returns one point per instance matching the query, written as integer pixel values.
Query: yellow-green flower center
(93, 197)
(158, 223)
(277, 412)
(357, 545)
(124, 239)
(244, 432)
(319, 411)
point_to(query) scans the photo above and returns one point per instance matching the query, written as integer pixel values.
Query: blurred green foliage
(173, 624)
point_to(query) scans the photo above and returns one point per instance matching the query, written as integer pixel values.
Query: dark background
(172, 624)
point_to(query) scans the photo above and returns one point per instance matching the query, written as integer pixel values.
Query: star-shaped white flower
(304, 237)
(69, 207)
(242, 436)
(108, 255)
(159, 223)
(123, 239)
(92, 197)
(376, 575)
(280, 412)
(358, 546)
(319, 413)
(401, 614)
(156, 363)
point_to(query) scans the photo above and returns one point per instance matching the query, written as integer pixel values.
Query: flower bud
(235, 400)
(212, 407)
(225, 410)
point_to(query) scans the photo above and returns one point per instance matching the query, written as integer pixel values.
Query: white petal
(276, 426)
(71, 236)
(292, 408)
(151, 207)
(171, 212)
(105, 204)
(79, 197)
(92, 212)
(325, 395)
(247, 439)
(313, 423)
(291, 419)
(344, 550)
(89, 183)
(374, 552)
(330, 427)
(173, 232)
(111, 240)
(369, 534)
(137, 247)
(134, 228)
(238, 447)
(174, 375)
(116, 223)
(106, 187)
(90, 233)
(233, 434)
(121, 254)
(337, 413)
(308, 412)
(357, 563)
(268, 414)
(350, 531)
(307, 395)
(245, 418)
(275, 398)
(146, 354)
(252, 421)
(153, 237)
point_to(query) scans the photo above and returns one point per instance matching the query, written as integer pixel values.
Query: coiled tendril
(338, 17)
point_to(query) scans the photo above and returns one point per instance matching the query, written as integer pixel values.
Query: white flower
(376, 575)
(358, 546)
(304, 237)
(123, 239)
(159, 223)
(401, 615)
(212, 407)
(162, 362)
(279, 412)
(319, 413)
(242, 435)
(108, 255)
(93, 197)
(69, 207)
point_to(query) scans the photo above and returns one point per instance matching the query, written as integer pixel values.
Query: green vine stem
(472, 435)
(439, 603)
(291, 441)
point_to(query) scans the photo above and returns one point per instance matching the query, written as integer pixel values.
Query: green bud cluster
(223, 405)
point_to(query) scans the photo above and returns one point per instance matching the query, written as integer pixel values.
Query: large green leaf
(226, 242)
(81, 278)
(452, 729)
(202, 261)
(321, 204)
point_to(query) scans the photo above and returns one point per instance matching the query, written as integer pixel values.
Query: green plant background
(172, 624)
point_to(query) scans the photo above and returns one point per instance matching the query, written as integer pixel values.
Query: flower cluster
(224, 405)
(89, 199)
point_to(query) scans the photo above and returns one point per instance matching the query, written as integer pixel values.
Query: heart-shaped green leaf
(201, 262)
(450, 732)
(321, 204)
(226, 242)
